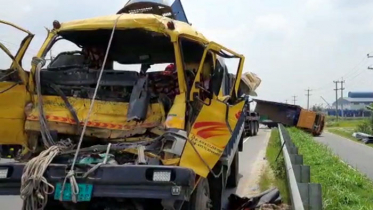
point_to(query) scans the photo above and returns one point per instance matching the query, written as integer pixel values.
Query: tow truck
(251, 122)
(249, 83)
(94, 137)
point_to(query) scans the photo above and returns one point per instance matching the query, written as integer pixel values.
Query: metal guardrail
(303, 194)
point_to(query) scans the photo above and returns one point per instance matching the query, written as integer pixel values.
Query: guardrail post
(311, 195)
(296, 159)
(302, 173)
(303, 194)
(293, 150)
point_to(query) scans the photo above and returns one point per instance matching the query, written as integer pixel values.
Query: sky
(292, 45)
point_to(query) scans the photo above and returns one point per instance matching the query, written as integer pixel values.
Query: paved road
(254, 149)
(253, 152)
(357, 155)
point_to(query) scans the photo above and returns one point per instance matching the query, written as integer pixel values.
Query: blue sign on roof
(158, 7)
(360, 94)
(178, 10)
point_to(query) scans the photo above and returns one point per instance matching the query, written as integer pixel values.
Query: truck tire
(256, 127)
(249, 129)
(246, 131)
(252, 128)
(200, 199)
(232, 180)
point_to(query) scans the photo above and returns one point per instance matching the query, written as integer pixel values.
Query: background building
(355, 100)
(354, 105)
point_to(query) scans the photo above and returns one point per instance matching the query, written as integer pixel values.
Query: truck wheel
(232, 181)
(255, 128)
(252, 128)
(249, 129)
(200, 199)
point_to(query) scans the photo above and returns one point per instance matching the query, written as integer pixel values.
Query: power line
(360, 82)
(351, 73)
(355, 67)
(308, 98)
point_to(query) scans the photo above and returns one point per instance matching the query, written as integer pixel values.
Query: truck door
(215, 122)
(13, 92)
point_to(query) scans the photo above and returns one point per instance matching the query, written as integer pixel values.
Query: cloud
(317, 5)
(272, 22)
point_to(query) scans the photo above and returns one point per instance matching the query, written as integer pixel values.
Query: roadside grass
(266, 179)
(333, 118)
(342, 186)
(274, 174)
(352, 123)
(347, 134)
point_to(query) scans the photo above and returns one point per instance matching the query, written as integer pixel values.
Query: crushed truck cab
(14, 97)
(160, 138)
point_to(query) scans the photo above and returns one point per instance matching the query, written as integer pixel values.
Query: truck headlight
(162, 176)
(3, 173)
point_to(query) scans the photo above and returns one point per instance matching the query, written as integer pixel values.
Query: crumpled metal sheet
(139, 101)
(249, 83)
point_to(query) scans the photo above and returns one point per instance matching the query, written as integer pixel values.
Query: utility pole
(336, 98)
(342, 88)
(294, 99)
(308, 98)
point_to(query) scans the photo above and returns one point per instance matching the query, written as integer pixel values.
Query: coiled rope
(34, 186)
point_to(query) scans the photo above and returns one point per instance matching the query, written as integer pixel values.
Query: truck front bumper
(115, 181)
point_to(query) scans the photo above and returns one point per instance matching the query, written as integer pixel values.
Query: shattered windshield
(64, 54)
(129, 50)
(76, 58)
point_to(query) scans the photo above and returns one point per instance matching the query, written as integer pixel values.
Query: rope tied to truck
(71, 174)
(35, 188)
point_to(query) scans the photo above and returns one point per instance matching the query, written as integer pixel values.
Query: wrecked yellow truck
(95, 137)
(13, 97)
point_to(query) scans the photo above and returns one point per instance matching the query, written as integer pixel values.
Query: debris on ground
(267, 200)
(274, 207)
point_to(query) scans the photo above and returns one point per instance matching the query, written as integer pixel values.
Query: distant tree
(317, 108)
(367, 125)
(370, 107)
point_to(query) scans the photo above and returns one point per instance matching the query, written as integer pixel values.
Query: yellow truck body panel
(210, 135)
(12, 113)
(107, 116)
